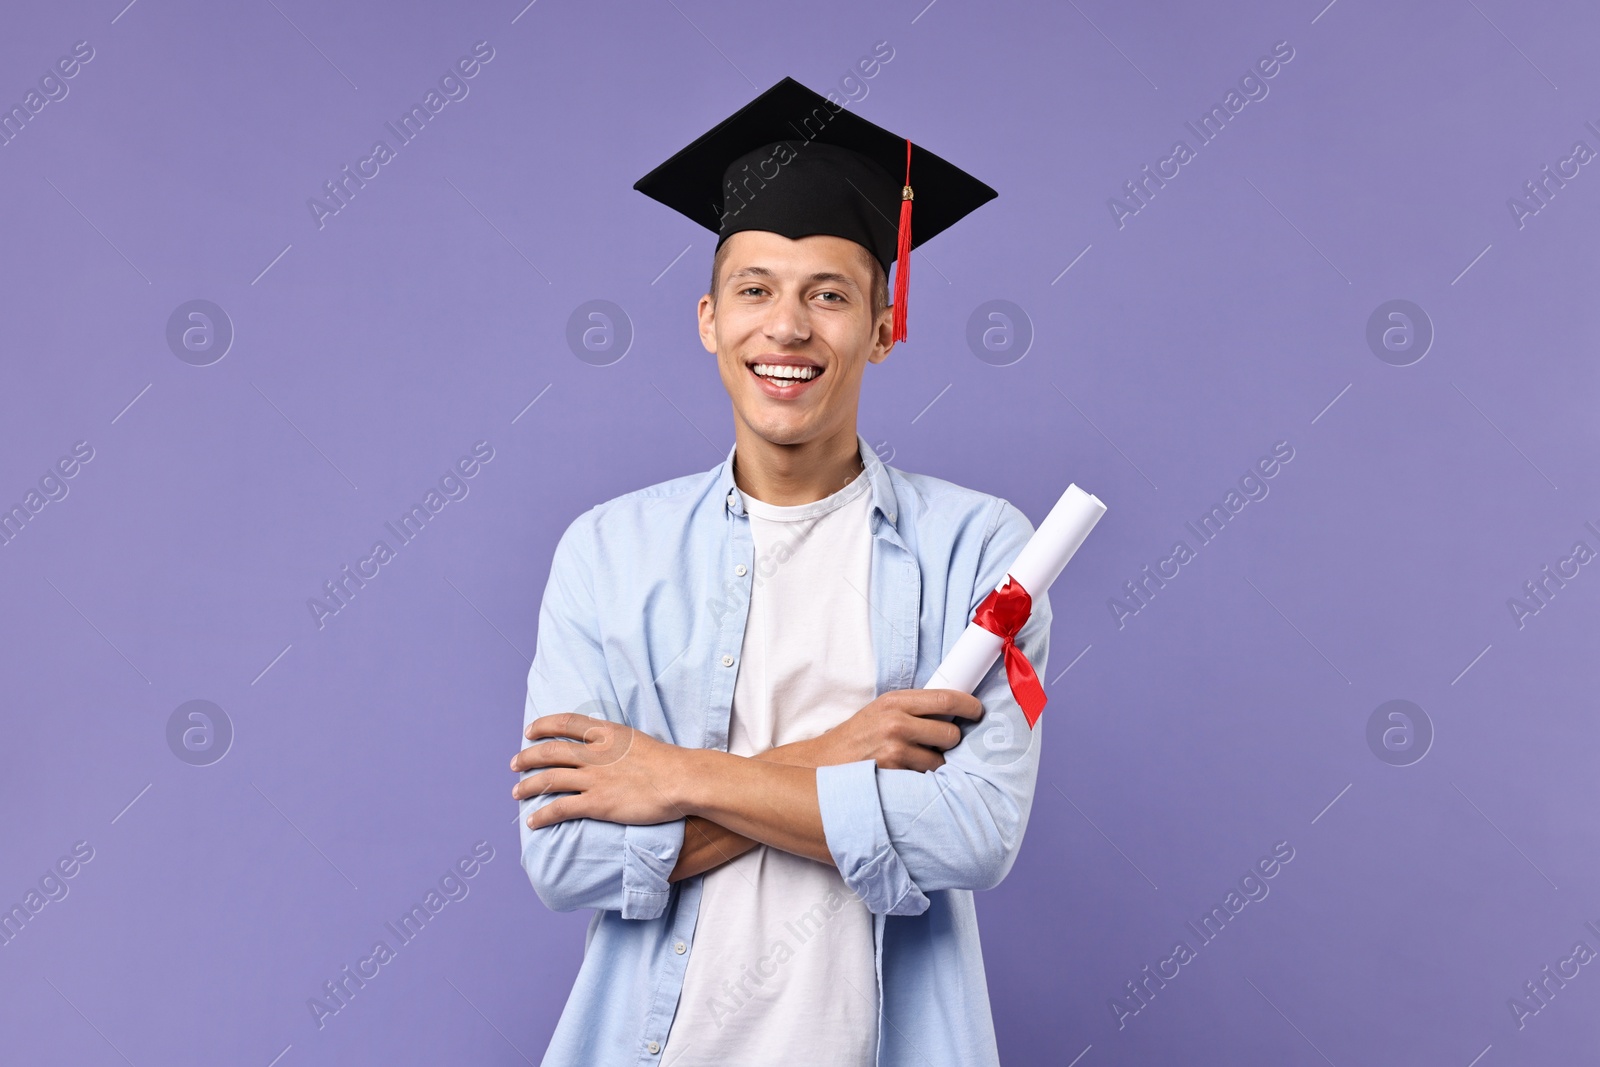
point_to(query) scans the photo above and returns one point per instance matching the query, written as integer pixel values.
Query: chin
(780, 431)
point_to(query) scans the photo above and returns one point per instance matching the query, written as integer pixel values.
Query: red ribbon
(1003, 613)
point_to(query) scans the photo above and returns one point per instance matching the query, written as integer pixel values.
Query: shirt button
(727, 661)
(680, 948)
(653, 1047)
(739, 570)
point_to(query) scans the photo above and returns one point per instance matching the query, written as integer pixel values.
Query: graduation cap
(793, 163)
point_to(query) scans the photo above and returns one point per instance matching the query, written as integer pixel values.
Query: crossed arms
(729, 803)
(899, 800)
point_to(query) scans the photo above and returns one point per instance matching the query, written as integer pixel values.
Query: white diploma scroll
(1036, 567)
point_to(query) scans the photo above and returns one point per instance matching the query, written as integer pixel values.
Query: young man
(732, 764)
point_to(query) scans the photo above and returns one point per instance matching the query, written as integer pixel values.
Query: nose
(788, 322)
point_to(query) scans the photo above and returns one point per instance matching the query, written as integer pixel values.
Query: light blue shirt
(643, 622)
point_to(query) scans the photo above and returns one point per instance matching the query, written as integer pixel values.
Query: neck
(787, 475)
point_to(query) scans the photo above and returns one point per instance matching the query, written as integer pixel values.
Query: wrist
(700, 767)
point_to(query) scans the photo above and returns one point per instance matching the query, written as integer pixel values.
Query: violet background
(1229, 314)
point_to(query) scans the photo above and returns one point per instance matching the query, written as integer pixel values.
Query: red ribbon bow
(1003, 613)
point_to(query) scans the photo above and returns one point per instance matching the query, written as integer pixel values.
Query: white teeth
(772, 370)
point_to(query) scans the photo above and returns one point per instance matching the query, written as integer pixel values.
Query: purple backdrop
(1376, 257)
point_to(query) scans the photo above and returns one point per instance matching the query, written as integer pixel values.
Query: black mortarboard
(792, 162)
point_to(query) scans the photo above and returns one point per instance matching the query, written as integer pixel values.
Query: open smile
(783, 381)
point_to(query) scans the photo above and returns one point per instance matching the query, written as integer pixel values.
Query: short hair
(879, 283)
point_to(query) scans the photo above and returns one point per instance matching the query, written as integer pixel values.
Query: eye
(751, 289)
(839, 297)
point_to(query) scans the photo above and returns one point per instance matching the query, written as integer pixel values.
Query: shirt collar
(883, 498)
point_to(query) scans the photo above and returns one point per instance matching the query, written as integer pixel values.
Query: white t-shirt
(782, 969)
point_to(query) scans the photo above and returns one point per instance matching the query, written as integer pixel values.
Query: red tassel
(902, 270)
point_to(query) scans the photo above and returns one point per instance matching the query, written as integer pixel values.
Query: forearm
(770, 803)
(708, 845)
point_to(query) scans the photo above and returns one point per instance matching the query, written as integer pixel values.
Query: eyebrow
(820, 276)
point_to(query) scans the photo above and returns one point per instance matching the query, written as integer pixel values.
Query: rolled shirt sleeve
(897, 835)
(586, 863)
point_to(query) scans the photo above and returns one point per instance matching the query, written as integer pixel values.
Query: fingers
(555, 780)
(932, 733)
(598, 740)
(550, 754)
(567, 724)
(558, 810)
(907, 757)
(940, 702)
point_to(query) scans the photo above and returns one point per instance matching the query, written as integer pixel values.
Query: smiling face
(793, 328)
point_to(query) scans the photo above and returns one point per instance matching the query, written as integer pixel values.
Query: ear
(882, 336)
(707, 313)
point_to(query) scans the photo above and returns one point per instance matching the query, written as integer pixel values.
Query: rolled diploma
(1036, 567)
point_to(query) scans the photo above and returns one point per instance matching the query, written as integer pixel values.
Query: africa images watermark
(452, 87)
(453, 485)
(53, 89)
(736, 195)
(52, 887)
(1253, 87)
(1252, 487)
(1252, 887)
(734, 994)
(338, 992)
(1538, 192)
(1542, 990)
(52, 487)
(1539, 591)
(774, 557)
